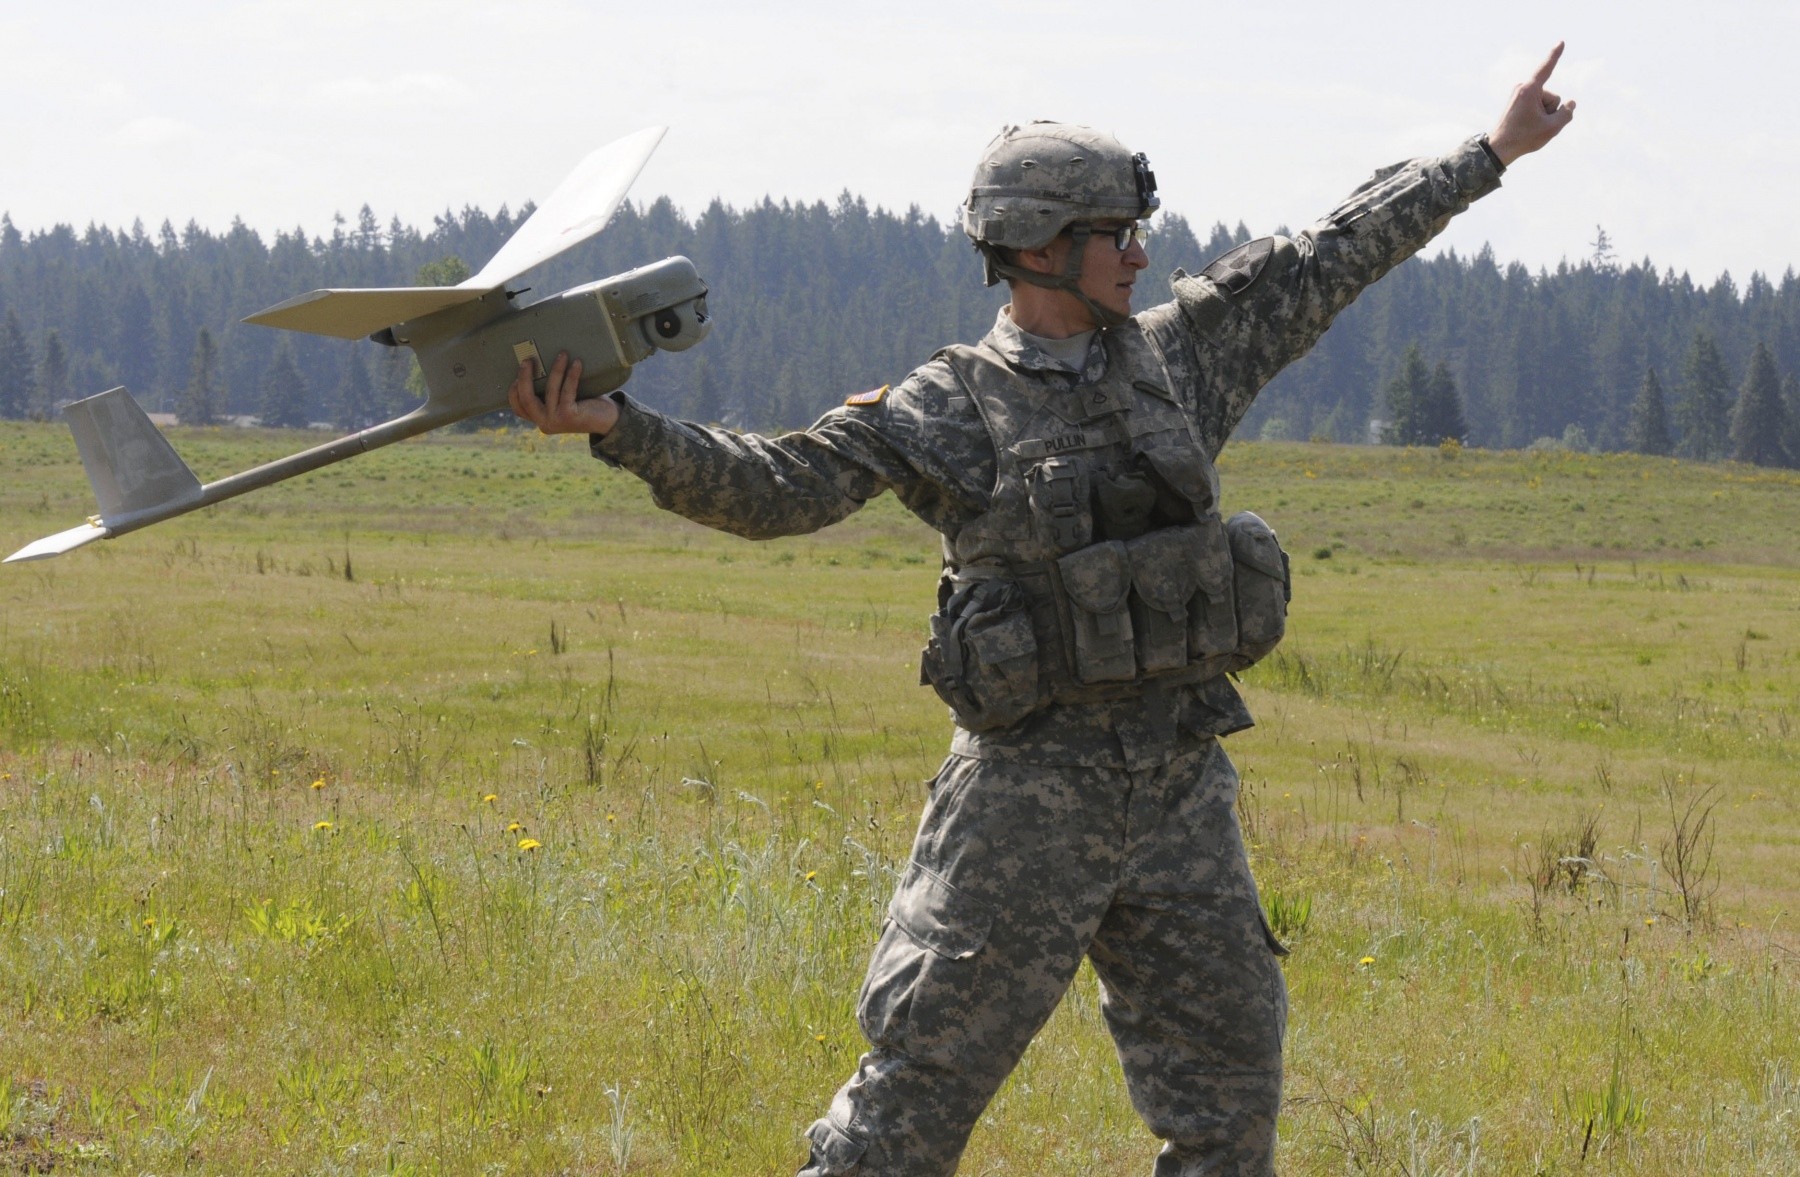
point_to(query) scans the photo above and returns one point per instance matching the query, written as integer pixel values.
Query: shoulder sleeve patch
(1235, 271)
(871, 397)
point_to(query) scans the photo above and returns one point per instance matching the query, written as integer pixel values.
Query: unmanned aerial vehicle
(469, 339)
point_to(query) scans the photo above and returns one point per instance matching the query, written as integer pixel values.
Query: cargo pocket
(834, 1151)
(1097, 582)
(1260, 576)
(982, 657)
(1212, 614)
(921, 979)
(1165, 572)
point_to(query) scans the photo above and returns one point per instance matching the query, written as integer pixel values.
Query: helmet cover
(1037, 180)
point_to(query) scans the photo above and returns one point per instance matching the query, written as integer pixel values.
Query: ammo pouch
(982, 656)
(1096, 581)
(1179, 604)
(1202, 598)
(1212, 612)
(1262, 583)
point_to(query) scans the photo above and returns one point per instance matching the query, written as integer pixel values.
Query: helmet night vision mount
(469, 339)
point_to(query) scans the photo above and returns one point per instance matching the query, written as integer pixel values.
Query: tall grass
(555, 836)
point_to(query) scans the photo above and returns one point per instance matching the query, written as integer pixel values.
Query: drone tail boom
(139, 479)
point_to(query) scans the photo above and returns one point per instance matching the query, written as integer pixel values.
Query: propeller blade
(578, 209)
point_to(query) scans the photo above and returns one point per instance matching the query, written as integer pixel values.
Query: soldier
(1091, 600)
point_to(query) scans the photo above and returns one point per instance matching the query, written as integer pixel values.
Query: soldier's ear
(1039, 261)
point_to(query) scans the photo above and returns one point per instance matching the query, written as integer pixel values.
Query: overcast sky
(1686, 145)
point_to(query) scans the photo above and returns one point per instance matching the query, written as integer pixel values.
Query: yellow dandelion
(612, 817)
(529, 844)
(321, 825)
(811, 875)
(1650, 923)
(319, 784)
(490, 798)
(1367, 960)
(149, 921)
(5, 776)
(818, 1037)
(513, 827)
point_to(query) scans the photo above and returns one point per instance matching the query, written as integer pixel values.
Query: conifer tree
(368, 230)
(284, 391)
(18, 375)
(134, 339)
(1704, 413)
(1408, 396)
(1649, 429)
(1441, 414)
(53, 377)
(201, 401)
(393, 393)
(702, 402)
(1758, 421)
(354, 405)
(817, 300)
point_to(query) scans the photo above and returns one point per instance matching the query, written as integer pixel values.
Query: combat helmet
(1035, 181)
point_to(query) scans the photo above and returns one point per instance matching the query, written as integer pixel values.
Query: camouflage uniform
(1103, 829)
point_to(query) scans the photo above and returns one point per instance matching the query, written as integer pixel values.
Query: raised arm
(1259, 308)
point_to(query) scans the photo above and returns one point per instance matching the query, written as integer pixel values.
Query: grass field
(453, 811)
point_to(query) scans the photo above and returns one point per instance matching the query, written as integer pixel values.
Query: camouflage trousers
(1018, 872)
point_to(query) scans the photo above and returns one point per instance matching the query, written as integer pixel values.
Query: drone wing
(353, 314)
(579, 208)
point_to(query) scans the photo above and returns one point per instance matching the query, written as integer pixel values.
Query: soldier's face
(1107, 272)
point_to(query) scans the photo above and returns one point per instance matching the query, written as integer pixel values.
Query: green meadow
(452, 810)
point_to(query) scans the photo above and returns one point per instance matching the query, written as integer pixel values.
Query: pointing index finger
(1544, 71)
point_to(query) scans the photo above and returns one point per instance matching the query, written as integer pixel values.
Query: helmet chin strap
(1069, 280)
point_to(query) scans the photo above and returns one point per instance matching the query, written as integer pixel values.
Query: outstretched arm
(761, 487)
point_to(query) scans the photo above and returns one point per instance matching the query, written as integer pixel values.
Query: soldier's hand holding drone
(557, 411)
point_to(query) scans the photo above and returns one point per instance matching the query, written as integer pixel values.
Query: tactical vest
(1101, 563)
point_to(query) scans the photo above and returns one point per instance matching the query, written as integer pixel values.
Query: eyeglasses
(1123, 236)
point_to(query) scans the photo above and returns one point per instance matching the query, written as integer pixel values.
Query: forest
(816, 301)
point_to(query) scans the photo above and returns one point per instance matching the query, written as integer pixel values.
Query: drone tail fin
(136, 474)
(132, 466)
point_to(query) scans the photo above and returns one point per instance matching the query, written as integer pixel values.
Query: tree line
(816, 301)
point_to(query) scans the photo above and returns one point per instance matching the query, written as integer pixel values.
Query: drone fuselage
(471, 353)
